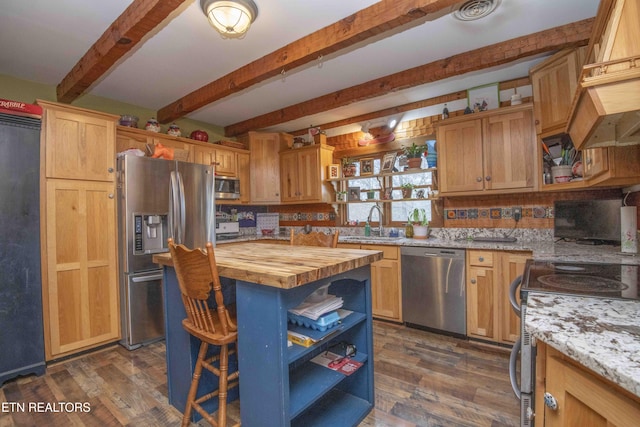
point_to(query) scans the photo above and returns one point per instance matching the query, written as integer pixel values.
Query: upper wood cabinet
(554, 83)
(303, 173)
(606, 107)
(244, 174)
(79, 143)
(492, 152)
(128, 137)
(225, 159)
(265, 166)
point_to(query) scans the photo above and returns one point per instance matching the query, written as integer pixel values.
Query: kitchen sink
(361, 238)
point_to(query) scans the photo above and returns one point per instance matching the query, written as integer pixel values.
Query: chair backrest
(197, 275)
(315, 238)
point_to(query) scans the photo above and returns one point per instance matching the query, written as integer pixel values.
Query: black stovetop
(588, 279)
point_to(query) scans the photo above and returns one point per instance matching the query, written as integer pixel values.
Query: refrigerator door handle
(149, 278)
(181, 206)
(174, 214)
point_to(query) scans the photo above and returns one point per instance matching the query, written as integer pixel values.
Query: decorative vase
(371, 194)
(420, 231)
(414, 162)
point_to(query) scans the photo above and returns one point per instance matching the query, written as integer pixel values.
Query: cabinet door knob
(473, 281)
(479, 179)
(110, 170)
(488, 177)
(111, 195)
(550, 401)
(481, 259)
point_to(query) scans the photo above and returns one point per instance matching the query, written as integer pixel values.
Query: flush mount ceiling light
(231, 18)
(476, 9)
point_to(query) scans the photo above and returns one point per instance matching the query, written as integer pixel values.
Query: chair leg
(186, 418)
(223, 385)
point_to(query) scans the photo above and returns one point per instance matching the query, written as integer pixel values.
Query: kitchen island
(279, 385)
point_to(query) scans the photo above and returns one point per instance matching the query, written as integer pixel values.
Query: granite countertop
(542, 250)
(601, 334)
(278, 266)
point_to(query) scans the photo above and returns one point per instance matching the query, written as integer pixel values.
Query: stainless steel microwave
(227, 188)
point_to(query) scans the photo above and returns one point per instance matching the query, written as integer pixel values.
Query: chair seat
(211, 338)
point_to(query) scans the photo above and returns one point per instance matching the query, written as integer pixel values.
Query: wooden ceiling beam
(570, 35)
(122, 36)
(370, 22)
(450, 97)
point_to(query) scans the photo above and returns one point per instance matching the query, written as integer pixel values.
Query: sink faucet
(379, 229)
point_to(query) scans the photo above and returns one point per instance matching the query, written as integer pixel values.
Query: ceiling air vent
(476, 9)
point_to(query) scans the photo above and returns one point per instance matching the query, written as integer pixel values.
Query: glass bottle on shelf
(445, 112)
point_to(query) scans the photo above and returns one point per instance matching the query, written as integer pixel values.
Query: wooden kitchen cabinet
(583, 397)
(303, 174)
(386, 282)
(611, 166)
(489, 313)
(225, 159)
(554, 82)
(79, 143)
(386, 289)
(78, 232)
(128, 137)
(81, 288)
(488, 152)
(244, 175)
(265, 166)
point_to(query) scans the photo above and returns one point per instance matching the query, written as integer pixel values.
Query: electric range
(603, 280)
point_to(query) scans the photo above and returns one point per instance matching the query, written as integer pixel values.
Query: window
(398, 211)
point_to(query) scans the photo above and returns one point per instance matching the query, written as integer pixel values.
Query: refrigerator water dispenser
(150, 233)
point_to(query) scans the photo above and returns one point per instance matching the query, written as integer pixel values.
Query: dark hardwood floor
(421, 379)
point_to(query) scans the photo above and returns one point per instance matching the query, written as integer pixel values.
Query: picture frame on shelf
(483, 98)
(388, 194)
(333, 171)
(388, 161)
(353, 194)
(366, 167)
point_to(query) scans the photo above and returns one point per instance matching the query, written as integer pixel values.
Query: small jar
(174, 130)
(152, 125)
(408, 230)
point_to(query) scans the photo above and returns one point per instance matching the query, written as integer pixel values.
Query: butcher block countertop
(283, 266)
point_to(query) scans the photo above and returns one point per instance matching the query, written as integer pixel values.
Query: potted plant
(348, 167)
(341, 196)
(414, 155)
(407, 190)
(418, 217)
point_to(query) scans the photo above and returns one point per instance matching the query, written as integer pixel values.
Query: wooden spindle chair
(315, 238)
(197, 275)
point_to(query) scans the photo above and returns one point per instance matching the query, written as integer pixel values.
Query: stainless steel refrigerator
(157, 199)
(21, 328)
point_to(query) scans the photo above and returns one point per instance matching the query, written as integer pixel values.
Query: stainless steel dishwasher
(433, 289)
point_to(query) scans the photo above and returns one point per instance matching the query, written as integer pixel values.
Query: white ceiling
(41, 40)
